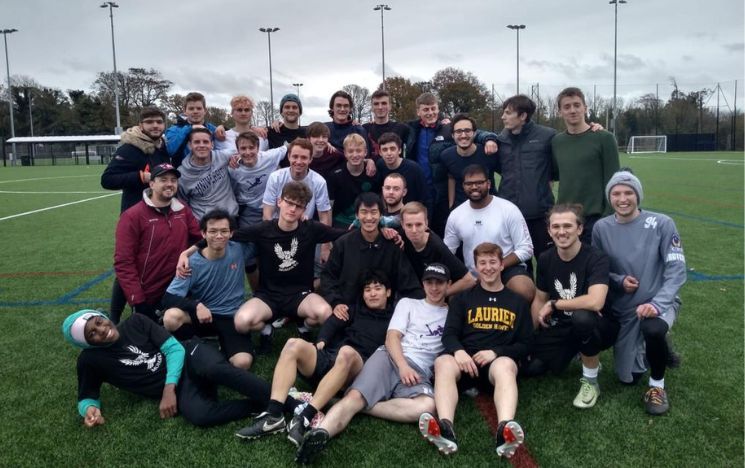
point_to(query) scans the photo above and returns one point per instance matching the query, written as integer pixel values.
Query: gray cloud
(735, 47)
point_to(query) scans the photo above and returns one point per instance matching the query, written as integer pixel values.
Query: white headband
(77, 330)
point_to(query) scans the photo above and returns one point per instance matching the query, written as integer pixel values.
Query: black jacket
(365, 330)
(526, 166)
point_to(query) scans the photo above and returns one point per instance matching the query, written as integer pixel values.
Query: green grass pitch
(58, 260)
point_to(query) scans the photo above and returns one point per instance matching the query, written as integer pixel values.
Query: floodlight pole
(297, 86)
(517, 28)
(615, 58)
(383, 8)
(269, 30)
(10, 94)
(111, 6)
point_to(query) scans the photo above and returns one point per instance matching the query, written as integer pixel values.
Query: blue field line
(68, 298)
(699, 218)
(85, 286)
(696, 276)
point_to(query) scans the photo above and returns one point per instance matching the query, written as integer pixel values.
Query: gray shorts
(379, 380)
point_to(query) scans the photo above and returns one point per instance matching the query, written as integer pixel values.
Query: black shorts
(481, 381)
(325, 360)
(283, 306)
(515, 270)
(222, 326)
(555, 347)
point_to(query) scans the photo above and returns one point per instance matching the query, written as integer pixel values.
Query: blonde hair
(354, 139)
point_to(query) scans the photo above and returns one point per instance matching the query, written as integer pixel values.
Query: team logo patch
(233, 266)
(676, 241)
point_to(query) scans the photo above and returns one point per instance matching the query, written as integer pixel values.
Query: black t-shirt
(284, 135)
(133, 363)
(375, 131)
(435, 251)
(343, 190)
(455, 163)
(416, 184)
(483, 320)
(286, 258)
(567, 280)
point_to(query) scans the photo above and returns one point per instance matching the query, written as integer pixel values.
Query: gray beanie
(625, 177)
(291, 98)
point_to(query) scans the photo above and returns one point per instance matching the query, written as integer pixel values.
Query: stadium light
(10, 95)
(269, 30)
(111, 6)
(517, 28)
(382, 8)
(297, 86)
(615, 58)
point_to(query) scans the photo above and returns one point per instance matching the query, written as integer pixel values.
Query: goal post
(647, 144)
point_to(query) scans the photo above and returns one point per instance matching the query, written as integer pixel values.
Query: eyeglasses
(243, 109)
(474, 183)
(215, 232)
(294, 204)
(463, 131)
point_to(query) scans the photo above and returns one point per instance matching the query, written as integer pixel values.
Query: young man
(394, 190)
(350, 180)
(487, 332)
(205, 182)
(585, 160)
(365, 249)
(390, 147)
(149, 237)
(423, 247)
(569, 306)
(647, 270)
(177, 136)
(382, 123)
(290, 108)
(465, 152)
(206, 301)
(333, 362)
(486, 218)
(142, 358)
(142, 148)
(242, 111)
(342, 123)
(395, 382)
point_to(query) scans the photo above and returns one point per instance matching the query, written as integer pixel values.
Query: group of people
(409, 275)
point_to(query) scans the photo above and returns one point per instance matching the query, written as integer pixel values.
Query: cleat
(439, 434)
(509, 437)
(312, 445)
(296, 429)
(264, 424)
(587, 396)
(655, 401)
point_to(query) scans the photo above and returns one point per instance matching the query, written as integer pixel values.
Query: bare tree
(361, 100)
(264, 114)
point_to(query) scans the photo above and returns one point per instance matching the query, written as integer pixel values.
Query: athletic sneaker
(264, 424)
(280, 322)
(588, 394)
(438, 433)
(509, 437)
(655, 401)
(312, 445)
(297, 428)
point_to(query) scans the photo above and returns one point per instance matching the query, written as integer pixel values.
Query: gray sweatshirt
(207, 187)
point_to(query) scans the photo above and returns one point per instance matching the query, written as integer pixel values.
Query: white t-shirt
(228, 144)
(249, 183)
(499, 222)
(422, 325)
(313, 180)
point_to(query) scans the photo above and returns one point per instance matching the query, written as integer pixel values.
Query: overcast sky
(215, 47)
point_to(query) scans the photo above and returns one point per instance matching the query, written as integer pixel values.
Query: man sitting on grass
(341, 349)
(140, 357)
(488, 330)
(395, 383)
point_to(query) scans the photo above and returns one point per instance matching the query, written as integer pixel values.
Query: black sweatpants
(655, 331)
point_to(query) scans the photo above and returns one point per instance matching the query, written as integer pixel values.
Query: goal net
(647, 144)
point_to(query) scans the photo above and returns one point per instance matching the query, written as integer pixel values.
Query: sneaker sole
(445, 446)
(313, 444)
(516, 436)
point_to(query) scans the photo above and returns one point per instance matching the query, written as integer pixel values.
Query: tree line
(50, 111)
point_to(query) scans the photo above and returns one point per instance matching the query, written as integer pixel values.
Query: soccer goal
(647, 144)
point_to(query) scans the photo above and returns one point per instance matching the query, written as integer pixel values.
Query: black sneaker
(264, 424)
(656, 402)
(265, 345)
(297, 428)
(439, 433)
(312, 445)
(509, 437)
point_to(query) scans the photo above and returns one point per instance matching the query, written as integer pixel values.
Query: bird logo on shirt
(287, 256)
(567, 293)
(143, 358)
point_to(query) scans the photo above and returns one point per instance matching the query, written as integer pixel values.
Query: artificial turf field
(58, 256)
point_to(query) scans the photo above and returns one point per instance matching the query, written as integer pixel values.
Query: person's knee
(245, 320)
(583, 322)
(522, 285)
(654, 328)
(424, 404)
(241, 360)
(293, 347)
(445, 366)
(346, 357)
(502, 368)
(173, 319)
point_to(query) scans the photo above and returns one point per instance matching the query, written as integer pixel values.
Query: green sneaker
(588, 394)
(655, 401)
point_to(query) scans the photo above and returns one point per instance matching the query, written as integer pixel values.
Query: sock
(309, 412)
(290, 404)
(657, 383)
(275, 408)
(267, 330)
(590, 374)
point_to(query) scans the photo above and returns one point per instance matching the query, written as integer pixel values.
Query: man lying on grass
(487, 332)
(140, 357)
(396, 382)
(334, 361)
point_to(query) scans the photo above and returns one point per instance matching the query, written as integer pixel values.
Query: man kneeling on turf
(206, 301)
(140, 357)
(395, 383)
(337, 357)
(488, 330)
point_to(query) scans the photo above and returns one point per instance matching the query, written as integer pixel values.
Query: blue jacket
(177, 137)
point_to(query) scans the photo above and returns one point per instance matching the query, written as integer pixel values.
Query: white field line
(662, 158)
(730, 162)
(48, 193)
(48, 178)
(57, 206)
